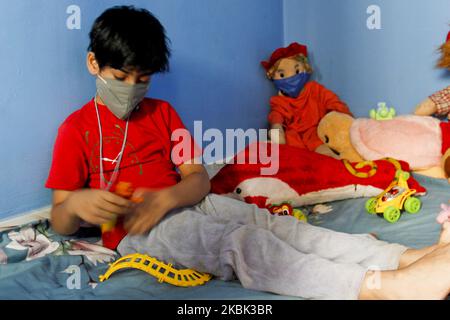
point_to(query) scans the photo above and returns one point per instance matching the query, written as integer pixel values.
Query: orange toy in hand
(113, 232)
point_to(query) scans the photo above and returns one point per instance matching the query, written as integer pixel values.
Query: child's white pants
(279, 254)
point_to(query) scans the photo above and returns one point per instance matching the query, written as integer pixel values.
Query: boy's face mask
(121, 98)
(293, 85)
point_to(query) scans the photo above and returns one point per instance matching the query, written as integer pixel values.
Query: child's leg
(426, 278)
(328, 244)
(259, 259)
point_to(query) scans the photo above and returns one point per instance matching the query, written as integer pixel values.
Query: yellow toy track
(395, 162)
(163, 272)
(372, 165)
(360, 165)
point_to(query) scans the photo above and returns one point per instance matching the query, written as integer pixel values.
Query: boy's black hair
(127, 37)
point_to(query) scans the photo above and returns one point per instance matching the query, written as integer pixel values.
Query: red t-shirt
(146, 162)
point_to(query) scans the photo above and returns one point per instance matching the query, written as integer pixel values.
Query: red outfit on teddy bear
(302, 115)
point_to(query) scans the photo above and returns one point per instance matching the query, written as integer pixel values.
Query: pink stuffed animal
(423, 142)
(444, 215)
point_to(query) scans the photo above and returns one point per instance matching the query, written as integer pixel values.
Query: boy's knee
(247, 241)
(126, 246)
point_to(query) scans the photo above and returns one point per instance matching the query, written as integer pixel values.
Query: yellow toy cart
(396, 197)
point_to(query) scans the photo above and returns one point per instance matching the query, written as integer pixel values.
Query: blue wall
(394, 64)
(215, 75)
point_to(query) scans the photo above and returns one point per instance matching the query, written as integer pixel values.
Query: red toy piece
(284, 209)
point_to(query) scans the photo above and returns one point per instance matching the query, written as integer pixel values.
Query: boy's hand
(154, 206)
(97, 206)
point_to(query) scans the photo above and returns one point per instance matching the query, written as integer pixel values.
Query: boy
(122, 136)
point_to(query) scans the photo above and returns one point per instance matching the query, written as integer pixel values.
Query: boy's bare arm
(193, 187)
(63, 222)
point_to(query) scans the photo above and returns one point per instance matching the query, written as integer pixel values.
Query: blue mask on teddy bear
(293, 85)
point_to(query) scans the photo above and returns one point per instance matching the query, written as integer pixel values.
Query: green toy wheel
(371, 205)
(404, 174)
(412, 205)
(391, 214)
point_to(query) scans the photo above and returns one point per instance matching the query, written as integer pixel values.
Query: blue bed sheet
(35, 263)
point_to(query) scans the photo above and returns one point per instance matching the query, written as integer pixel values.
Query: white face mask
(121, 98)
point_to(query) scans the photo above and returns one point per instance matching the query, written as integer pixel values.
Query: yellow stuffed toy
(334, 131)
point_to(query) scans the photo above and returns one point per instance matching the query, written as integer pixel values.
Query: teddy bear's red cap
(448, 36)
(290, 51)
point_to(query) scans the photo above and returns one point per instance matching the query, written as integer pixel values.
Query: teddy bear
(439, 102)
(300, 104)
(422, 141)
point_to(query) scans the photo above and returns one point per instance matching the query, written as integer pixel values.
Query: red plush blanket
(303, 178)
